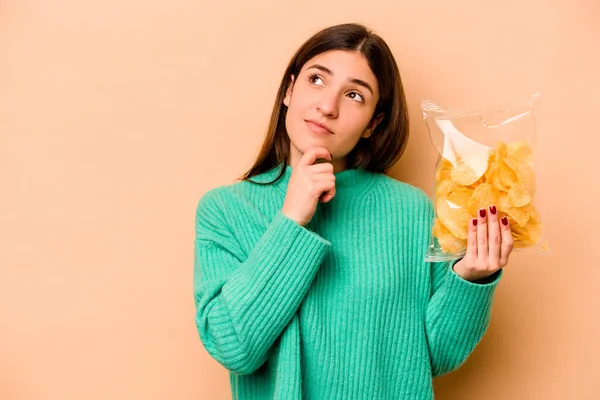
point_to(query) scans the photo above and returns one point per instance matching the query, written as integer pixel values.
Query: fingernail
(482, 213)
(331, 154)
(493, 210)
(504, 221)
(474, 221)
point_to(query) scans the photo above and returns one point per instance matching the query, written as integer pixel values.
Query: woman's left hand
(489, 244)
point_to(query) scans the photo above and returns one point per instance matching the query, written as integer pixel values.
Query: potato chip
(460, 197)
(443, 170)
(503, 202)
(447, 241)
(497, 177)
(524, 173)
(522, 236)
(526, 236)
(527, 175)
(519, 194)
(463, 174)
(499, 174)
(519, 214)
(474, 185)
(508, 177)
(445, 187)
(456, 220)
(492, 167)
(520, 151)
(483, 196)
(501, 151)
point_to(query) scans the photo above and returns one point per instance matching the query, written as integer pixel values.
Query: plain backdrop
(116, 116)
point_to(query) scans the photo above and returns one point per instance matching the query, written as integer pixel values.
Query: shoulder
(221, 197)
(213, 199)
(401, 192)
(210, 210)
(232, 202)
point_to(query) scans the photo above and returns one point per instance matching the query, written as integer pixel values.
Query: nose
(328, 104)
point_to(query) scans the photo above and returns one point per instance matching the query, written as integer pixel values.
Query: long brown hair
(377, 153)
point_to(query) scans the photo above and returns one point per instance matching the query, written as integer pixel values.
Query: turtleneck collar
(351, 179)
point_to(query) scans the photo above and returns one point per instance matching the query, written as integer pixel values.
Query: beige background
(116, 116)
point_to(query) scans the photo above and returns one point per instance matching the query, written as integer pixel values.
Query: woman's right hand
(309, 184)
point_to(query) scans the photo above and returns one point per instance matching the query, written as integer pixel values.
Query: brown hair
(377, 153)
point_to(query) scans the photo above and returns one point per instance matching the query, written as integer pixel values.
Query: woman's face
(337, 90)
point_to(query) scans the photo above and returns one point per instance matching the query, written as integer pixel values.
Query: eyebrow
(353, 80)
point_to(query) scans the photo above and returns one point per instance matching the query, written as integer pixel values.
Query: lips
(317, 127)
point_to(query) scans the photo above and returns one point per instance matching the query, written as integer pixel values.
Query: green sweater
(344, 308)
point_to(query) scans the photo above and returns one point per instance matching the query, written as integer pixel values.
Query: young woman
(309, 278)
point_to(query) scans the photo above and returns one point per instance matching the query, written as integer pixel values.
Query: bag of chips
(486, 157)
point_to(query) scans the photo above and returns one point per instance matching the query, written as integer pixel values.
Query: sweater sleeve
(457, 316)
(243, 303)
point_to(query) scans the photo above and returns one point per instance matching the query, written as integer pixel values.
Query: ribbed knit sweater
(343, 308)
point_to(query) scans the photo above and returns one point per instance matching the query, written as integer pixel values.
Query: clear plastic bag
(486, 157)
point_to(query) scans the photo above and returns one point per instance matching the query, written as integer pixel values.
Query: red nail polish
(482, 213)
(474, 221)
(504, 221)
(493, 210)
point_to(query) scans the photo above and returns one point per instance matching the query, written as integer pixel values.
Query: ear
(288, 93)
(372, 125)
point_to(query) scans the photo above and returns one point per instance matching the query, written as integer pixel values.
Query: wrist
(289, 216)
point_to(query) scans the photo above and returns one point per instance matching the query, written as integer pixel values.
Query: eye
(312, 77)
(354, 95)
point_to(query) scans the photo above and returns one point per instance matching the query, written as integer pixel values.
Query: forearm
(458, 315)
(240, 317)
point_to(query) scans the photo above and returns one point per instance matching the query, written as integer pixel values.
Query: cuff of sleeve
(465, 295)
(489, 280)
(289, 226)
